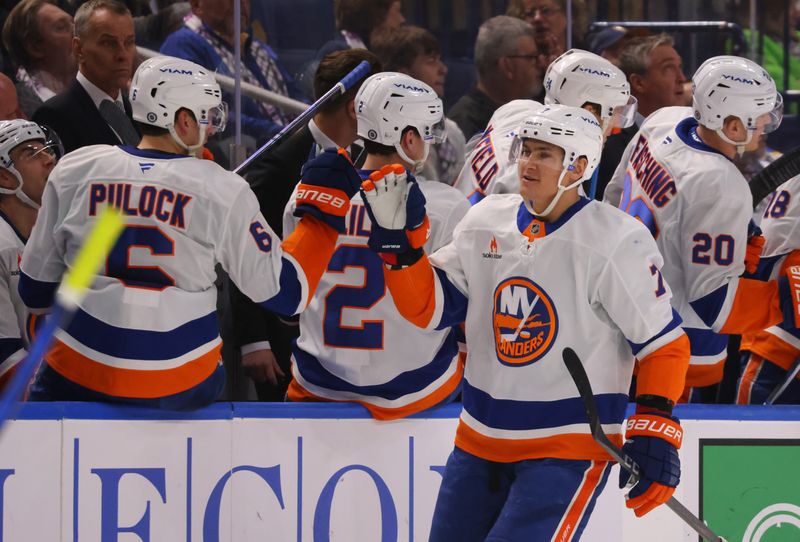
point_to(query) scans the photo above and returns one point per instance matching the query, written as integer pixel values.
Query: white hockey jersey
(589, 281)
(487, 169)
(697, 205)
(148, 326)
(13, 314)
(780, 224)
(354, 345)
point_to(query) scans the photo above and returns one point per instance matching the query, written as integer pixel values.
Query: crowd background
(287, 39)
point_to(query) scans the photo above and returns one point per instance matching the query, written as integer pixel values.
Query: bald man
(9, 105)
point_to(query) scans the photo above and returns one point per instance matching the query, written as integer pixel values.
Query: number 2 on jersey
(341, 299)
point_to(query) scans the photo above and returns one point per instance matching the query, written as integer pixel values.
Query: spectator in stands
(263, 342)
(549, 19)
(94, 108)
(207, 39)
(506, 62)
(415, 51)
(38, 35)
(9, 106)
(770, 21)
(358, 21)
(655, 71)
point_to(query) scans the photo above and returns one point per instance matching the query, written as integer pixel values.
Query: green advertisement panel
(750, 489)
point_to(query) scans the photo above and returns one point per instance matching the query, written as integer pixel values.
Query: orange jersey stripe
(312, 256)
(698, 376)
(566, 446)
(749, 377)
(663, 371)
(574, 514)
(413, 291)
(755, 307)
(770, 347)
(130, 382)
(297, 392)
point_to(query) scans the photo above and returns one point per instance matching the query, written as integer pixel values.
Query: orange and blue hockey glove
(396, 208)
(326, 186)
(654, 438)
(755, 244)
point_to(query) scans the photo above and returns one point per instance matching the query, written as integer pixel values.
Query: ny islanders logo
(524, 321)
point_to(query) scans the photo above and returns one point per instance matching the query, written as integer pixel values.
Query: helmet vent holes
(153, 92)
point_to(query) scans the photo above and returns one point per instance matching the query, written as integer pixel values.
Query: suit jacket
(612, 154)
(76, 120)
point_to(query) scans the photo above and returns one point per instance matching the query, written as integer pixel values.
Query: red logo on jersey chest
(524, 321)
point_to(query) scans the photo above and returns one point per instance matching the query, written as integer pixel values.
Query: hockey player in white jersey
(577, 78)
(26, 159)
(147, 332)
(533, 273)
(354, 345)
(768, 354)
(677, 176)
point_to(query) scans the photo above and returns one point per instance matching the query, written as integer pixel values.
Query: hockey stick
(780, 388)
(339, 88)
(69, 294)
(771, 177)
(578, 374)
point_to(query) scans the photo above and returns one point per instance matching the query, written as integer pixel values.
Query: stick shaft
(338, 89)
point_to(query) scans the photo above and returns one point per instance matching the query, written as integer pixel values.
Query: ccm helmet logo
(176, 70)
(738, 79)
(326, 198)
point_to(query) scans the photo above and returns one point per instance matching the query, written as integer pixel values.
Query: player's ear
(734, 128)
(579, 167)
(351, 109)
(7, 180)
(637, 83)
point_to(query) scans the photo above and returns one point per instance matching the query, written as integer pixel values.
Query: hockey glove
(789, 292)
(755, 244)
(396, 208)
(325, 189)
(653, 442)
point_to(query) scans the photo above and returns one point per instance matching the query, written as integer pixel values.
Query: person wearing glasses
(549, 19)
(506, 61)
(26, 160)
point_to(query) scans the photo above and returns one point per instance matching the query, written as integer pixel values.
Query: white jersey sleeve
(613, 191)
(780, 219)
(632, 290)
(12, 311)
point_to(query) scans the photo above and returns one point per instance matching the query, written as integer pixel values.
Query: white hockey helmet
(16, 132)
(578, 76)
(725, 86)
(162, 85)
(574, 130)
(389, 102)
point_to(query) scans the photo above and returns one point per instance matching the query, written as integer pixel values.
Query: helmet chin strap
(18, 191)
(554, 201)
(740, 145)
(418, 164)
(191, 149)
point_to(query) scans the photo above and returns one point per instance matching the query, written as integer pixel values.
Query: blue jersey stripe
(403, 384)
(709, 306)
(676, 321)
(8, 347)
(140, 343)
(514, 415)
(705, 342)
(36, 294)
(288, 298)
(454, 309)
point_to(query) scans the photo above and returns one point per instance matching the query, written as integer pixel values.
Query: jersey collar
(533, 228)
(152, 153)
(687, 132)
(13, 227)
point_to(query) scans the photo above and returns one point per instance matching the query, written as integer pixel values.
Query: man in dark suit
(655, 71)
(262, 341)
(94, 109)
